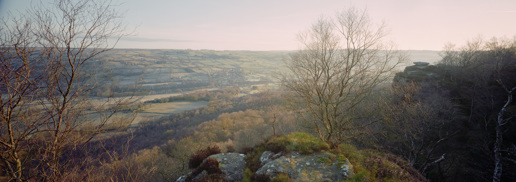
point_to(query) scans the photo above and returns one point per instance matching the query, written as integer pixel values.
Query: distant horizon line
(248, 49)
(230, 49)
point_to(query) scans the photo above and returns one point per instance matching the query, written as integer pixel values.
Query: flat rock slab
(314, 167)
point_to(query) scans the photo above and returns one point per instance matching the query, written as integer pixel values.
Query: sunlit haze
(273, 24)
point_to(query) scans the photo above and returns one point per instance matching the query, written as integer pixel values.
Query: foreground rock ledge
(314, 167)
(321, 166)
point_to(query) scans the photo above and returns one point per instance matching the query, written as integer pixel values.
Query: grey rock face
(268, 156)
(232, 164)
(315, 167)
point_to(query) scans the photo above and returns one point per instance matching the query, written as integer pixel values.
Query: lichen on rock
(232, 164)
(322, 166)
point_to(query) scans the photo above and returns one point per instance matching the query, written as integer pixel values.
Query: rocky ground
(302, 157)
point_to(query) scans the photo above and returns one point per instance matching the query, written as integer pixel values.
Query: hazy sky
(274, 24)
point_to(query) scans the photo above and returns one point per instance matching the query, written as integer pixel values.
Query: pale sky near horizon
(274, 24)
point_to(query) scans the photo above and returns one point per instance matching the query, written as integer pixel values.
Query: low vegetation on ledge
(300, 156)
(301, 142)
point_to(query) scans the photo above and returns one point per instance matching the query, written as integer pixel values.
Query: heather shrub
(197, 158)
(303, 143)
(211, 166)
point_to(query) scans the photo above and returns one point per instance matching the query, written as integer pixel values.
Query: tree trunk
(497, 154)
(497, 149)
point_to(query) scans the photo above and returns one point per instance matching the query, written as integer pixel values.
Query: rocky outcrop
(321, 166)
(420, 71)
(301, 156)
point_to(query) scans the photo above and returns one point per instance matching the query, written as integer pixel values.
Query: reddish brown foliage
(211, 166)
(197, 158)
(388, 167)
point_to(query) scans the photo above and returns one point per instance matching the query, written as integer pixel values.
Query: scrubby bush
(370, 165)
(197, 158)
(253, 157)
(211, 166)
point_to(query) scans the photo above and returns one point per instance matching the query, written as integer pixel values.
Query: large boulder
(322, 166)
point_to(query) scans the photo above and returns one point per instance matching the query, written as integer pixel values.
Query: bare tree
(45, 109)
(341, 62)
(19, 84)
(502, 120)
